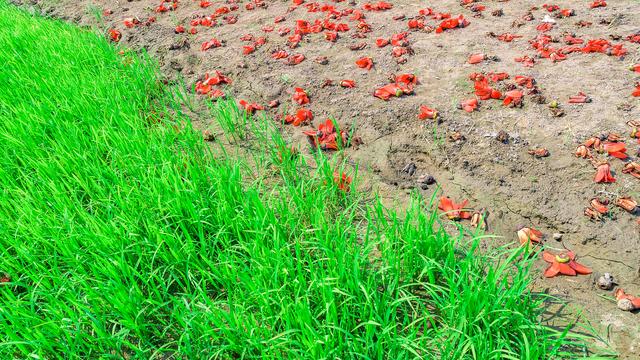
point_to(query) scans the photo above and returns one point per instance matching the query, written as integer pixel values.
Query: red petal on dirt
(597, 4)
(552, 270)
(579, 268)
(115, 35)
(348, 83)
(565, 269)
(548, 257)
(603, 174)
(300, 96)
(427, 113)
(476, 58)
(385, 42)
(365, 63)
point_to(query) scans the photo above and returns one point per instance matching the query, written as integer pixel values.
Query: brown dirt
(548, 194)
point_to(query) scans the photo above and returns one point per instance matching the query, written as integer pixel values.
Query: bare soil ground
(548, 194)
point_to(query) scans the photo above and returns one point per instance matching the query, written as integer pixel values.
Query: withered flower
(627, 203)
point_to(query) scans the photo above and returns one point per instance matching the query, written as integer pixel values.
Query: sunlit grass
(123, 236)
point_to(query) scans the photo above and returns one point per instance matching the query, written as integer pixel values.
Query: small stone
(208, 135)
(605, 282)
(502, 137)
(625, 305)
(557, 236)
(426, 179)
(410, 169)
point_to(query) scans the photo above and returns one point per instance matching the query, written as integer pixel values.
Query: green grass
(124, 237)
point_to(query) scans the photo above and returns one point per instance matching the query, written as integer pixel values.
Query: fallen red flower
(415, 24)
(300, 96)
(365, 63)
(484, 91)
(617, 149)
(302, 116)
(636, 93)
(326, 137)
(427, 113)
(526, 60)
(115, 35)
(529, 236)
(603, 173)
(469, 105)
(342, 181)
(331, 36)
(382, 42)
(408, 80)
(213, 43)
(581, 98)
(452, 210)
(295, 59)
(388, 91)
(379, 6)
(544, 27)
(526, 81)
(476, 58)
(597, 4)
(508, 37)
(250, 108)
(279, 54)
(513, 98)
(571, 40)
(348, 83)
(563, 263)
(248, 49)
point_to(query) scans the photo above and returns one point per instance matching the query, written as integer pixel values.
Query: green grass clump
(123, 236)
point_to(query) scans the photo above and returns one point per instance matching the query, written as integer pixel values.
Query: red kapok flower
(617, 149)
(513, 97)
(453, 210)
(342, 181)
(115, 35)
(476, 58)
(388, 91)
(365, 63)
(300, 96)
(427, 113)
(597, 4)
(528, 235)
(469, 105)
(563, 263)
(250, 108)
(302, 116)
(603, 174)
(348, 83)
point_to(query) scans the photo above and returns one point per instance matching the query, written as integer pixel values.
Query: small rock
(410, 169)
(322, 60)
(625, 305)
(557, 236)
(605, 282)
(502, 137)
(208, 135)
(426, 180)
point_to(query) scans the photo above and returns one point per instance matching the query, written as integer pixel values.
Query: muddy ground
(549, 194)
